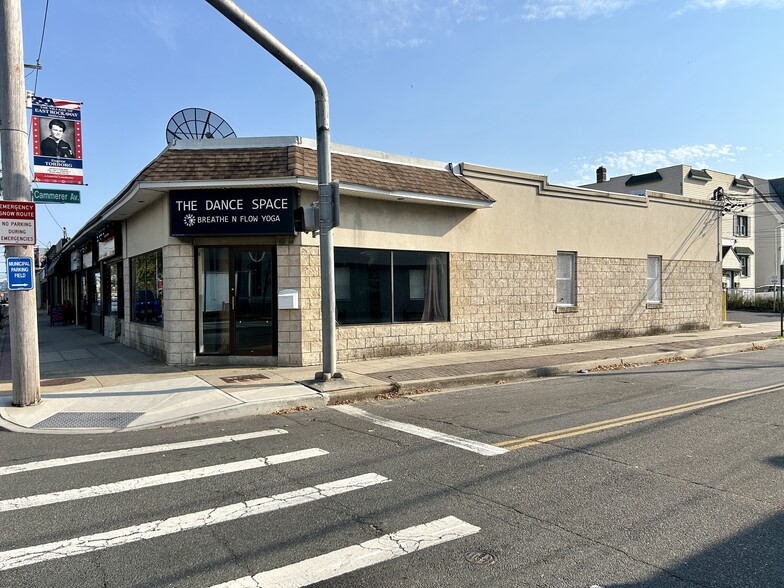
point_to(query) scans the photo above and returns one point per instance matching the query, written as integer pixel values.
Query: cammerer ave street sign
(17, 223)
(50, 196)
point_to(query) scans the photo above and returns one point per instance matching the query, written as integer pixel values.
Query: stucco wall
(675, 180)
(531, 217)
(148, 229)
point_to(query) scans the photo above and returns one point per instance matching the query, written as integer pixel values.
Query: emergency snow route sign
(20, 273)
(17, 222)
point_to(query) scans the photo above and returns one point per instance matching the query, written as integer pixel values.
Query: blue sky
(555, 87)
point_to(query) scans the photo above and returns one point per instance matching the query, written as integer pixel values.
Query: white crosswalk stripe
(303, 573)
(65, 461)
(90, 543)
(158, 480)
(467, 444)
(356, 557)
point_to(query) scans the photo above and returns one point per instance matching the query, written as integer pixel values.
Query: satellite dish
(197, 123)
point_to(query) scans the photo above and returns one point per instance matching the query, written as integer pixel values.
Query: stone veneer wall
(505, 301)
(179, 304)
(497, 301)
(299, 331)
(309, 327)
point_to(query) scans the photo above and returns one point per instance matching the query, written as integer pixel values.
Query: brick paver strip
(501, 365)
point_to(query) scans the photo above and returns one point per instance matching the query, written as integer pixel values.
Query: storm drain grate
(246, 378)
(88, 420)
(61, 381)
(481, 558)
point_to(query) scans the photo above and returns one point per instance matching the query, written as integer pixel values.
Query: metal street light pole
(259, 34)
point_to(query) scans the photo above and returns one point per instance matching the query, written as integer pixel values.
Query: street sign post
(49, 196)
(20, 273)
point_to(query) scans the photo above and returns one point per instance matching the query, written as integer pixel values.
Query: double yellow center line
(634, 418)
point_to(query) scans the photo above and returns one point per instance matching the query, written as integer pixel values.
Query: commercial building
(196, 260)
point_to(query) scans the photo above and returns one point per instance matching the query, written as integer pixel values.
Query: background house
(738, 253)
(768, 228)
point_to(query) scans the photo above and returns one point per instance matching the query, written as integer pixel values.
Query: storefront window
(114, 290)
(84, 309)
(147, 287)
(380, 286)
(96, 276)
(214, 300)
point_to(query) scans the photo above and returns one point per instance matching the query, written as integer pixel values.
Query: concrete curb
(491, 378)
(332, 393)
(239, 411)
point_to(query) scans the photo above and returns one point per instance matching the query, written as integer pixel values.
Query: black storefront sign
(240, 211)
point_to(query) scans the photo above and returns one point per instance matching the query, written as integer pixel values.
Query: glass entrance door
(237, 301)
(95, 300)
(254, 308)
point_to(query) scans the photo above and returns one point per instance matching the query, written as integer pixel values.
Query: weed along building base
(196, 261)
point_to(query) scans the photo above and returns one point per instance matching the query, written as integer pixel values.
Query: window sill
(654, 305)
(158, 324)
(565, 309)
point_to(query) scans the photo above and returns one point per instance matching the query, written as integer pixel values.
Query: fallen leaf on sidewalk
(290, 410)
(672, 359)
(610, 368)
(756, 347)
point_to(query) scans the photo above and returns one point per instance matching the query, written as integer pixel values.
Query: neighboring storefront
(197, 260)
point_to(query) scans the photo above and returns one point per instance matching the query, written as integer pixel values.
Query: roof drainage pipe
(259, 34)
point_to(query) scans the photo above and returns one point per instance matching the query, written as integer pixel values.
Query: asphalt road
(662, 476)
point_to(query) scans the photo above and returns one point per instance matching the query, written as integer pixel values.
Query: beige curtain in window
(433, 273)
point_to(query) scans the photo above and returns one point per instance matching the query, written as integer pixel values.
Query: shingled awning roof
(285, 161)
(293, 161)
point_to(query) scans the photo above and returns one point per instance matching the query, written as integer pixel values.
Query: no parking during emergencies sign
(17, 222)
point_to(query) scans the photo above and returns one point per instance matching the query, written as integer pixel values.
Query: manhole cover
(88, 420)
(481, 558)
(246, 378)
(61, 381)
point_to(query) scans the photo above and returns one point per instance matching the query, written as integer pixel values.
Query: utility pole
(324, 162)
(22, 313)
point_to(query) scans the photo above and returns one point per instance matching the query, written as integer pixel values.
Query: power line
(41, 47)
(35, 85)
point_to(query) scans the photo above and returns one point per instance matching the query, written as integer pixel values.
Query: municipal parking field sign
(20, 273)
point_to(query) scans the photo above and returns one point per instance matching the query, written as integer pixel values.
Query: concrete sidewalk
(91, 384)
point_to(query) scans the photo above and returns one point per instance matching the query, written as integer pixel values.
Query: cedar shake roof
(269, 162)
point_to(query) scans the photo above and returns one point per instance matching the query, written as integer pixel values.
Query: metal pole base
(326, 377)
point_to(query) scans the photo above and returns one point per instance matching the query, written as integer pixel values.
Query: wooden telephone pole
(22, 313)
